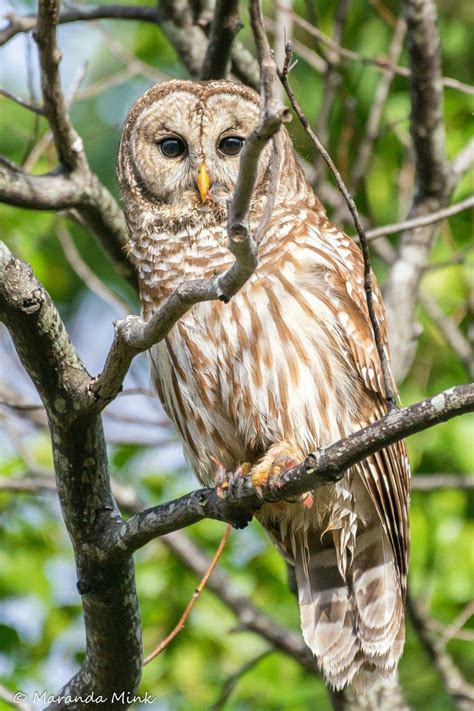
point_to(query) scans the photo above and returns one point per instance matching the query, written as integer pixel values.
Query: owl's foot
(270, 472)
(271, 469)
(228, 483)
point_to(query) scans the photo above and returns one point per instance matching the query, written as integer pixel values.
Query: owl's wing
(386, 474)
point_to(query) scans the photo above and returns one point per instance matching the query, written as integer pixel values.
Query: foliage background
(41, 634)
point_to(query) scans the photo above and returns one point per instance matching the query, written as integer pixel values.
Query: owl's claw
(264, 475)
(229, 483)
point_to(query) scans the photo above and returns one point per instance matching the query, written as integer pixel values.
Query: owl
(289, 365)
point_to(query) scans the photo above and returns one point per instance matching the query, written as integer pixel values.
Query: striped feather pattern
(288, 366)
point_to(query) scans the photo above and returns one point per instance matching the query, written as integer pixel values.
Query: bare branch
(431, 482)
(21, 102)
(372, 61)
(450, 331)
(249, 617)
(85, 273)
(225, 26)
(390, 394)
(366, 144)
(26, 23)
(37, 192)
(463, 161)
(320, 468)
(422, 220)
(332, 80)
(68, 143)
(433, 177)
(426, 121)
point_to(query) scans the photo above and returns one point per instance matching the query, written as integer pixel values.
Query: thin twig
(84, 272)
(387, 378)
(332, 80)
(232, 681)
(433, 482)
(366, 144)
(164, 643)
(21, 102)
(373, 61)
(421, 220)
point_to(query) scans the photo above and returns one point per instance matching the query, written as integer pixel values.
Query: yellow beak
(203, 182)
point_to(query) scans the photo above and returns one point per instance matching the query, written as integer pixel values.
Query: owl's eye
(172, 147)
(231, 145)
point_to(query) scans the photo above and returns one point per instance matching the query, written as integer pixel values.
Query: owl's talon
(229, 483)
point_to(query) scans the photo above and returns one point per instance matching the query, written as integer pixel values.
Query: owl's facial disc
(186, 148)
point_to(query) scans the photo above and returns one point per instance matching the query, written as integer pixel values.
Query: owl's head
(181, 146)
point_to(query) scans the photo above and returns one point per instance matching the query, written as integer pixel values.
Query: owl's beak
(203, 182)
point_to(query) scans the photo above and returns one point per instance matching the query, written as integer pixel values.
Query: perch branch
(320, 468)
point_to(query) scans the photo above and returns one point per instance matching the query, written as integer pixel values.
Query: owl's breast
(267, 367)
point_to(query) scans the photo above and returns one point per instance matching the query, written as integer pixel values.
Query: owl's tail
(352, 622)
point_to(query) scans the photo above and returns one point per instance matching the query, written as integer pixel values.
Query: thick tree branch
(68, 143)
(113, 642)
(326, 466)
(225, 26)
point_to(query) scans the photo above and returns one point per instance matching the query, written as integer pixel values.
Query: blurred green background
(41, 633)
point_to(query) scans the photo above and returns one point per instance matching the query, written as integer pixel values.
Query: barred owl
(287, 366)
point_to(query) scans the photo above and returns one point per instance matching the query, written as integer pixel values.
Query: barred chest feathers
(268, 367)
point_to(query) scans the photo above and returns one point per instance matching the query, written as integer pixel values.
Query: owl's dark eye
(172, 147)
(231, 145)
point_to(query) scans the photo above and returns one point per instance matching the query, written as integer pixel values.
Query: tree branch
(460, 691)
(225, 26)
(434, 178)
(326, 466)
(68, 143)
(422, 220)
(432, 482)
(113, 632)
(371, 61)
